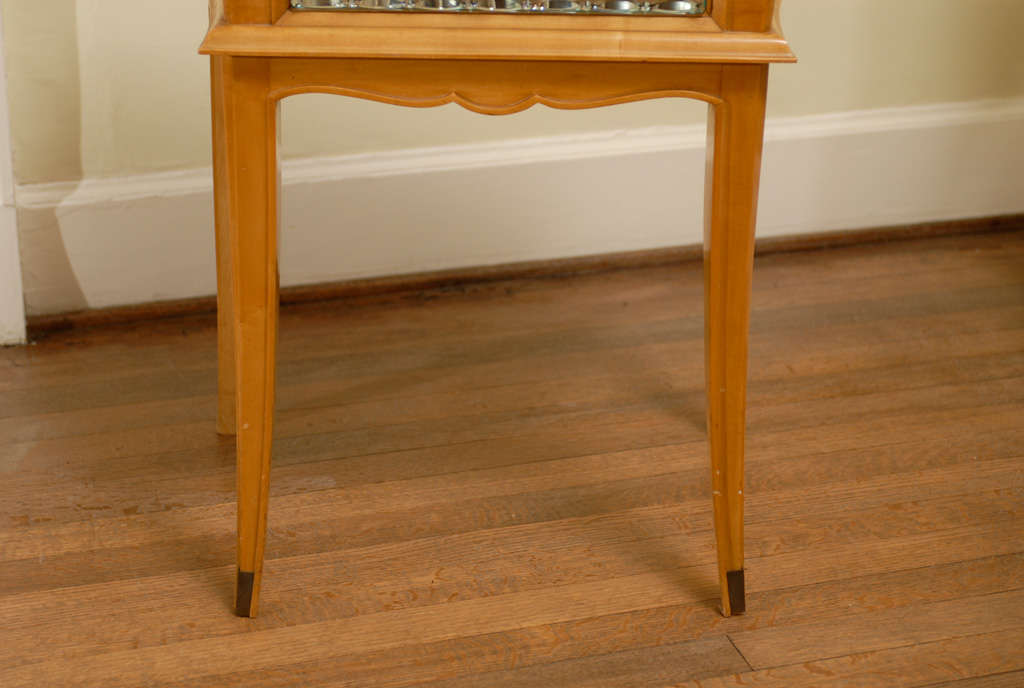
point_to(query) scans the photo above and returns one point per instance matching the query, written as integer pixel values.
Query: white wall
(107, 95)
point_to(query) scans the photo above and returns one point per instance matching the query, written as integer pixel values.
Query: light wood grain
(494, 87)
(460, 38)
(491, 67)
(248, 11)
(251, 189)
(222, 228)
(744, 15)
(735, 134)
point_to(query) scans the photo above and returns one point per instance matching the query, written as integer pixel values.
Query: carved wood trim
(506, 108)
(494, 88)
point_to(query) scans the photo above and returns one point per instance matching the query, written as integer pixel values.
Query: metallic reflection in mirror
(440, 5)
(677, 7)
(501, 5)
(617, 6)
(569, 6)
(376, 4)
(680, 8)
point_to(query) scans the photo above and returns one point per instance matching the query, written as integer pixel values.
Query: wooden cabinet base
(254, 66)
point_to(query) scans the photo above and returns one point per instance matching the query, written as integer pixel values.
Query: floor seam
(746, 661)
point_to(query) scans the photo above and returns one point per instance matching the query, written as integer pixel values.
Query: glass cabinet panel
(686, 8)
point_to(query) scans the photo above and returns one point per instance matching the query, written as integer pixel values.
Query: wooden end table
(488, 57)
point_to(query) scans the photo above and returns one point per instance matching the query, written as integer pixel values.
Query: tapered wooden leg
(250, 140)
(735, 133)
(225, 318)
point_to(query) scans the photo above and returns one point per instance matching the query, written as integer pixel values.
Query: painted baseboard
(107, 242)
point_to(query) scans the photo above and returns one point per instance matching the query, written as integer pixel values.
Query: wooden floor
(506, 485)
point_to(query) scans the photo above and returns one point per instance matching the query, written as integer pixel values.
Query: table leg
(250, 154)
(225, 313)
(735, 131)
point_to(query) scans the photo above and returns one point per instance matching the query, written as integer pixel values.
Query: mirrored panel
(684, 8)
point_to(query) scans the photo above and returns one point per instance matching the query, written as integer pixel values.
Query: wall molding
(107, 242)
(413, 161)
(433, 284)
(882, 120)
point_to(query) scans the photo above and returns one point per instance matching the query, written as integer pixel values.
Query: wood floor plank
(912, 666)
(370, 632)
(27, 499)
(432, 404)
(803, 356)
(345, 584)
(941, 466)
(921, 623)
(594, 538)
(302, 486)
(529, 647)
(626, 669)
(990, 377)
(506, 484)
(1010, 679)
(978, 287)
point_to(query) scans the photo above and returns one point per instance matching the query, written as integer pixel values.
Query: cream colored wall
(101, 88)
(41, 42)
(12, 303)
